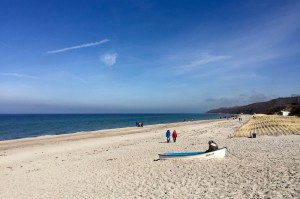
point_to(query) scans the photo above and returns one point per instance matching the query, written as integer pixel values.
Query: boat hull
(220, 153)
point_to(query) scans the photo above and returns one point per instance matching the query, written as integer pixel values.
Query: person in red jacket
(174, 135)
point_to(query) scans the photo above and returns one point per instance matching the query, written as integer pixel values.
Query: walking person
(174, 135)
(168, 135)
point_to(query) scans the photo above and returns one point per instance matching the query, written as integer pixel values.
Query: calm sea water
(27, 125)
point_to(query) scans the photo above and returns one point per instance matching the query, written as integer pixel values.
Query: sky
(146, 56)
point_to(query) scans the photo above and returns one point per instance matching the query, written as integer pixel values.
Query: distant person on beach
(212, 146)
(174, 135)
(168, 135)
(139, 124)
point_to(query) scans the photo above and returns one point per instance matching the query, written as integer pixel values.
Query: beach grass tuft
(272, 125)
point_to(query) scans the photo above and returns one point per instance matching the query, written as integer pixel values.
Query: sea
(16, 126)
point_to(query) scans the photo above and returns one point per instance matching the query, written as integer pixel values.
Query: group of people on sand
(212, 146)
(174, 135)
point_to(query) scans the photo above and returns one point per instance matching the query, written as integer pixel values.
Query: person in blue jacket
(168, 135)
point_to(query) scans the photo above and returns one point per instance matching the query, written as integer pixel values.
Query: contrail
(77, 47)
(19, 75)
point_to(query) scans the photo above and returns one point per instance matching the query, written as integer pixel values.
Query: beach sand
(122, 163)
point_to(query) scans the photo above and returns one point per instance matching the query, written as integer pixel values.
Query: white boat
(220, 153)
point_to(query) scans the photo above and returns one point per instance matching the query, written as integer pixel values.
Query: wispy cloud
(18, 75)
(205, 59)
(78, 46)
(259, 45)
(196, 60)
(239, 99)
(109, 59)
(70, 76)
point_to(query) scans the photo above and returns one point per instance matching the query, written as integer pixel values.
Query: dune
(272, 125)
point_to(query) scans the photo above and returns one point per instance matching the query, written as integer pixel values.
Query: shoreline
(33, 125)
(6, 144)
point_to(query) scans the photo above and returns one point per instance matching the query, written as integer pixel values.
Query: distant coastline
(272, 107)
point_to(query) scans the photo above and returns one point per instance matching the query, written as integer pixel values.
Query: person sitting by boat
(174, 135)
(168, 134)
(212, 146)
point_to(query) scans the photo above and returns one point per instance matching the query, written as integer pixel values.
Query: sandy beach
(122, 163)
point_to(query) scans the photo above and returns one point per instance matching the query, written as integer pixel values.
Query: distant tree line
(272, 107)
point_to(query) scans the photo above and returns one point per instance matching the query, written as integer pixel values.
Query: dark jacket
(212, 147)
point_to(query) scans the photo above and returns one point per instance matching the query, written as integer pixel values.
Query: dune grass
(272, 125)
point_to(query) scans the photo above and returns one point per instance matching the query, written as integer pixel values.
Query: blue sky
(146, 56)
